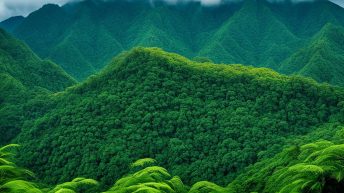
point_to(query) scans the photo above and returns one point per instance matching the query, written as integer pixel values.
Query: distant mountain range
(82, 37)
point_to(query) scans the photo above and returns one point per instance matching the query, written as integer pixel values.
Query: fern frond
(19, 186)
(207, 187)
(143, 162)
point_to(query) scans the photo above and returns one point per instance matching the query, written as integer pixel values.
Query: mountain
(199, 120)
(305, 19)
(82, 37)
(253, 36)
(11, 23)
(19, 62)
(322, 59)
(22, 76)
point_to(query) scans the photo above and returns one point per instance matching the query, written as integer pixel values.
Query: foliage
(19, 186)
(143, 162)
(322, 59)
(207, 187)
(23, 76)
(12, 178)
(8, 170)
(76, 185)
(149, 179)
(313, 167)
(199, 120)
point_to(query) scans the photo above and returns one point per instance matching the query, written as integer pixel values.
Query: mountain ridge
(82, 40)
(321, 59)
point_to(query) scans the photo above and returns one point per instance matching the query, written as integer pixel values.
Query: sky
(9, 8)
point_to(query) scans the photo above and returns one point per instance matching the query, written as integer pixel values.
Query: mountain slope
(11, 23)
(253, 36)
(47, 25)
(22, 76)
(82, 37)
(306, 19)
(18, 61)
(322, 59)
(201, 121)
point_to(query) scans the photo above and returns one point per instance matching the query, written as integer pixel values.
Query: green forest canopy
(23, 75)
(198, 120)
(314, 167)
(153, 121)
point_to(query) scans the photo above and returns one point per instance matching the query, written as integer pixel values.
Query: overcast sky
(9, 8)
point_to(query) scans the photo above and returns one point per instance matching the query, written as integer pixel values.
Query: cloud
(338, 2)
(10, 8)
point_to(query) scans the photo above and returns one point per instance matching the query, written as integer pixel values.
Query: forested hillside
(18, 61)
(82, 37)
(323, 59)
(23, 75)
(199, 120)
(254, 36)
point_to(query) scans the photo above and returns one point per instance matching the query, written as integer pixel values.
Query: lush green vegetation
(312, 167)
(144, 176)
(322, 59)
(83, 37)
(20, 63)
(315, 167)
(153, 121)
(200, 121)
(23, 76)
(12, 177)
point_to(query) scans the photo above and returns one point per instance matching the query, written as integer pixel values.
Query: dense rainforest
(313, 167)
(256, 104)
(83, 37)
(200, 121)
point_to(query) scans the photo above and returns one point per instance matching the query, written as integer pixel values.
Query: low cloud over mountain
(9, 8)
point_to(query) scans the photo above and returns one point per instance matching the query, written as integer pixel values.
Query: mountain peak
(46, 10)
(50, 6)
(139, 62)
(331, 31)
